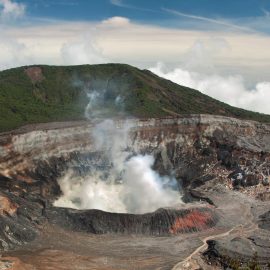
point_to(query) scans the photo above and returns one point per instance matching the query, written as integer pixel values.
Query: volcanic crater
(206, 155)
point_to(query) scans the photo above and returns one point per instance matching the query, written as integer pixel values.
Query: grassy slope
(61, 95)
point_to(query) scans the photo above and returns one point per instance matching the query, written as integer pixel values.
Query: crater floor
(57, 247)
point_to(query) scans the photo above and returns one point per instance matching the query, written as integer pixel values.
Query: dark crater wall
(159, 223)
(196, 149)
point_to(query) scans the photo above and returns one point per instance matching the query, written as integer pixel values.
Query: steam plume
(126, 184)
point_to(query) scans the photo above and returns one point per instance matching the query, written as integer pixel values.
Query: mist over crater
(126, 181)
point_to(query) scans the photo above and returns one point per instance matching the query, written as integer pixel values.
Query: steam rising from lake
(130, 185)
(142, 190)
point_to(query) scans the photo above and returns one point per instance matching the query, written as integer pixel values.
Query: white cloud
(229, 89)
(122, 4)
(121, 40)
(117, 3)
(10, 9)
(202, 54)
(116, 22)
(260, 23)
(118, 39)
(266, 12)
(209, 20)
(12, 52)
(82, 51)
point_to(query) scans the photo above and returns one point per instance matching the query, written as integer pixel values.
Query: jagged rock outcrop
(174, 141)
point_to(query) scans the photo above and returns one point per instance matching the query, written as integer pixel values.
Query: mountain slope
(48, 93)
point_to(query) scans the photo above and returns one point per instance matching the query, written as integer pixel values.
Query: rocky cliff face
(205, 153)
(190, 146)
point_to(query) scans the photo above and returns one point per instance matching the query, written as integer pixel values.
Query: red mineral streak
(35, 74)
(195, 219)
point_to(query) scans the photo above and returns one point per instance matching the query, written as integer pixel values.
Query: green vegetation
(49, 93)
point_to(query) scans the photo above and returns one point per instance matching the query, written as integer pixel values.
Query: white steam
(89, 192)
(98, 104)
(140, 190)
(143, 189)
(125, 182)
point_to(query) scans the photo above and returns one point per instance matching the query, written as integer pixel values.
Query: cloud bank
(229, 89)
(82, 51)
(118, 39)
(219, 64)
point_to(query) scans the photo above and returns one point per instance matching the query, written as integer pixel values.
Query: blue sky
(239, 12)
(96, 10)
